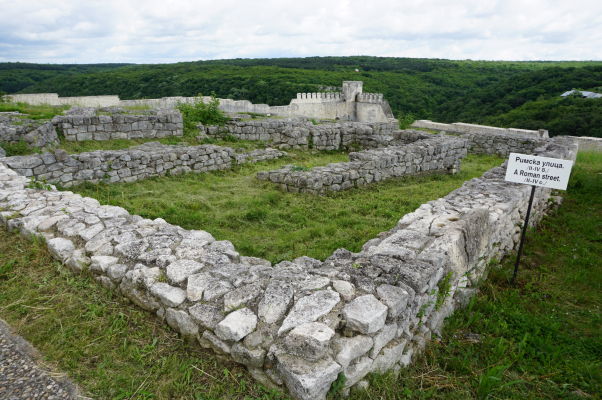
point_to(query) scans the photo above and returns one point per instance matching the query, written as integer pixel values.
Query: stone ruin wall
(130, 165)
(155, 124)
(461, 127)
(298, 324)
(434, 154)
(300, 133)
(489, 139)
(14, 128)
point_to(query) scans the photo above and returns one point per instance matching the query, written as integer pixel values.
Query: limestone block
(179, 271)
(275, 302)
(60, 248)
(169, 295)
(394, 297)
(241, 296)
(206, 315)
(365, 314)
(307, 381)
(181, 322)
(248, 357)
(309, 341)
(236, 325)
(349, 349)
(309, 309)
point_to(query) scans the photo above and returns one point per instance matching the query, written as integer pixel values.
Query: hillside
(443, 90)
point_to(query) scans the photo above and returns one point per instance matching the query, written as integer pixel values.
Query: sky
(166, 31)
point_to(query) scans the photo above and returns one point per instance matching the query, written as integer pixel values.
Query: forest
(517, 94)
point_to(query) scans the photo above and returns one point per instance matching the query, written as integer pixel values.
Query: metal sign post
(536, 171)
(523, 233)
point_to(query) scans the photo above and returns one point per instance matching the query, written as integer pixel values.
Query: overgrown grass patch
(263, 221)
(120, 144)
(540, 339)
(42, 111)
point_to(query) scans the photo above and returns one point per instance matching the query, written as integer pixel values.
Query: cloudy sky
(163, 31)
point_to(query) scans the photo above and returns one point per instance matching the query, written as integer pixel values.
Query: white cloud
(148, 31)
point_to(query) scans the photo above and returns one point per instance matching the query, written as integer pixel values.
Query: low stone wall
(300, 133)
(438, 153)
(296, 325)
(461, 127)
(17, 128)
(129, 165)
(490, 140)
(502, 144)
(151, 124)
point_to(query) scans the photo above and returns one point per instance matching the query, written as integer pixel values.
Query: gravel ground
(23, 377)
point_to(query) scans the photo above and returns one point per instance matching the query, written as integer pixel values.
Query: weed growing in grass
(19, 148)
(444, 286)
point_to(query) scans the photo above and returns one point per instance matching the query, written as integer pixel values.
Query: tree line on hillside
(520, 94)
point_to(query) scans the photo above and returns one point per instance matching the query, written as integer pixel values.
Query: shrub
(405, 120)
(201, 112)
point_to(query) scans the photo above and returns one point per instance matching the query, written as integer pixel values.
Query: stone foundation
(489, 139)
(15, 128)
(133, 164)
(116, 125)
(432, 154)
(300, 133)
(296, 325)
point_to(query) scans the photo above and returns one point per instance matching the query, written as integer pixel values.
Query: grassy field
(540, 339)
(263, 221)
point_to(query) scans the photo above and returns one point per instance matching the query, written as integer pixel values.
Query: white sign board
(547, 172)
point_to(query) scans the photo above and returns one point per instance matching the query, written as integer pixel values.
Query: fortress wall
(587, 143)
(299, 324)
(317, 97)
(35, 98)
(53, 99)
(158, 124)
(130, 165)
(372, 111)
(90, 101)
(433, 154)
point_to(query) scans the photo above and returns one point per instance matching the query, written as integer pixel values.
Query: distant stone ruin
(351, 104)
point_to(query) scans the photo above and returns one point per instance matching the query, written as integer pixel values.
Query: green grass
(119, 144)
(34, 112)
(538, 340)
(263, 221)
